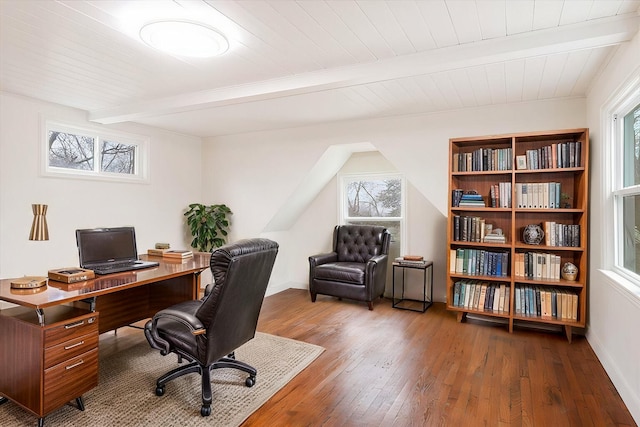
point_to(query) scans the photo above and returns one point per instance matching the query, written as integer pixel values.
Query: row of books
(556, 234)
(479, 262)
(475, 229)
(483, 159)
(545, 302)
(482, 296)
(559, 155)
(537, 265)
(538, 195)
(500, 195)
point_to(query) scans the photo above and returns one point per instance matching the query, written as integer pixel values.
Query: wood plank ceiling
(296, 63)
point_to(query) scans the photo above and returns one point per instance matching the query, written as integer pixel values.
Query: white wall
(155, 209)
(256, 173)
(614, 306)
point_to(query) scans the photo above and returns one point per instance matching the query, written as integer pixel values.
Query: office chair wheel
(205, 411)
(160, 390)
(250, 381)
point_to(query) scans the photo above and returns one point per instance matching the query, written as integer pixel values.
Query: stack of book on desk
(170, 253)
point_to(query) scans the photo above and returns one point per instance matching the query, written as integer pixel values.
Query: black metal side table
(413, 304)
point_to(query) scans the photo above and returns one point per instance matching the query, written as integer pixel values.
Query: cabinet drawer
(69, 380)
(77, 327)
(68, 349)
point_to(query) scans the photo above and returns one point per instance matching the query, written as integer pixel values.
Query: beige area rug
(126, 396)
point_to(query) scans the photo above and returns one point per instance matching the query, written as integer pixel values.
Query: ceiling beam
(585, 35)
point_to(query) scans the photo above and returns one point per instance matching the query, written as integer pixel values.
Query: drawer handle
(69, 347)
(74, 365)
(74, 325)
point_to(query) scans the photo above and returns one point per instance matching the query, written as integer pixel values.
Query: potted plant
(208, 225)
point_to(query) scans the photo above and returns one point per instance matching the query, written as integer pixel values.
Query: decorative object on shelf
(532, 234)
(569, 271)
(39, 228)
(566, 201)
(494, 236)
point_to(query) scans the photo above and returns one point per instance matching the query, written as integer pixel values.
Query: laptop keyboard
(114, 268)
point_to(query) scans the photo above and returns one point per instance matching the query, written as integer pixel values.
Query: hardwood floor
(390, 367)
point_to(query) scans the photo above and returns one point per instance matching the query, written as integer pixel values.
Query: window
(87, 153)
(375, 199)
(626, 184)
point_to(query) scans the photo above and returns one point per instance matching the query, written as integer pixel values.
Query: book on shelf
(481, 262)
(537, 265)
(470, 228)
(538, 195)
(481, 296)
(546, 302)
(555, 156)
(557, 234)
(500, 195)
(483, 159)
(456, 195)
(472, 200)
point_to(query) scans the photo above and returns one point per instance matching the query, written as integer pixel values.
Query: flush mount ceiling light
(184, 38)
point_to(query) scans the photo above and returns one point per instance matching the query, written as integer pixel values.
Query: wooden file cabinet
(51, 364)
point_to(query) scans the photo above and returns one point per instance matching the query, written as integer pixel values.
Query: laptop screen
(106, 245)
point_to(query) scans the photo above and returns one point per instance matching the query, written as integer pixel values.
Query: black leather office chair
(357, 266)
(207, 332)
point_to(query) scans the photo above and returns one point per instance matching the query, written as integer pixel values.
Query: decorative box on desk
(405, 264)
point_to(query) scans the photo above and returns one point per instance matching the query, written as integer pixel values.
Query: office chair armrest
(189, 320)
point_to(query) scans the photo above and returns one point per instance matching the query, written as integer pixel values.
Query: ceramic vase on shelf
(569, 271)
(532, 234)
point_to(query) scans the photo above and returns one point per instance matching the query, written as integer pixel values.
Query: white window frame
(141, 167)
(613, 132)
(343, 218)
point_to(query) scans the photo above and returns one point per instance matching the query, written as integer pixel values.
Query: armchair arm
(376, 274)
(188, 320)
(319, 259)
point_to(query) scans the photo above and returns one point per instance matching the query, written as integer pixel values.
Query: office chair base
(193, 367)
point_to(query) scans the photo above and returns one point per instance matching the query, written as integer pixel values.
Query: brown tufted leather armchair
(357, 267)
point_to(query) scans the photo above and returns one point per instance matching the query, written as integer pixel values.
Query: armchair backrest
(241, 273)
(358, 243)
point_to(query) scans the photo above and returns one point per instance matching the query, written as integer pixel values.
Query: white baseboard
(619, 380)
(271, 290)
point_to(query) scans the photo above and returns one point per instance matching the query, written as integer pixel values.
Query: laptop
(110, 250)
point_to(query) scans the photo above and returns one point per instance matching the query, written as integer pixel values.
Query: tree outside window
(86, 153)
(374, 199)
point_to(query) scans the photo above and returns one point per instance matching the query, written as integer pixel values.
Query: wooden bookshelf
(530, 273)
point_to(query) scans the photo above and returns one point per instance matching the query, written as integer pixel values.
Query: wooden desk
(49, 349)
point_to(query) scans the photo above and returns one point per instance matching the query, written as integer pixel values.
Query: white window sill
(625, 286)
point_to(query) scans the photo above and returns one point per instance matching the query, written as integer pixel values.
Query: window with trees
(83, 152)
(375, 199)
(627, 191)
